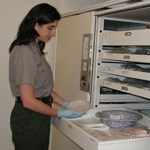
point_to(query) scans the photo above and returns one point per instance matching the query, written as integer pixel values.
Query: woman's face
(46, 31)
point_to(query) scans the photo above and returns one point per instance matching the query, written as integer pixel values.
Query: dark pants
(30, 130)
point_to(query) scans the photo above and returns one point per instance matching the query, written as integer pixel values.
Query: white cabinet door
(69, 55)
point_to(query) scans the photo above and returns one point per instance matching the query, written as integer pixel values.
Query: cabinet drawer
(127, 73)
(125, 57)
(126, 88)
(132, 37)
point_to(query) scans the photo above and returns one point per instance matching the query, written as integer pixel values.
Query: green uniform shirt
(28, 65)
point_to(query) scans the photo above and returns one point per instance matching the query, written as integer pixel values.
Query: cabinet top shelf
(138, 11)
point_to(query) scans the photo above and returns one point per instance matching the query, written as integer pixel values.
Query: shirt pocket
(42, 74)
(42, 71)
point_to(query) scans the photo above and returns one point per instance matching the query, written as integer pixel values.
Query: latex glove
(65, 104)
(69, 114)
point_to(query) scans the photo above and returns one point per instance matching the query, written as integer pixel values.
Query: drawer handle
(128, 33)
(126, 57)
(124, 88)
(70, 126)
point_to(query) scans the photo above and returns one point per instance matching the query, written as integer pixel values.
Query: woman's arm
(30, 102)
(57, 99)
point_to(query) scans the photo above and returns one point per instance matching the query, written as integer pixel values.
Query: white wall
(11, 13)
(66, 6)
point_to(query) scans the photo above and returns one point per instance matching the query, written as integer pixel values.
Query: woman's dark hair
(42, 14)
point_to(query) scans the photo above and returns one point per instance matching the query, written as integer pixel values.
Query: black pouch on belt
(46, 100)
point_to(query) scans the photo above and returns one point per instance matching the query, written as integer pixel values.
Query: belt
(47, 99)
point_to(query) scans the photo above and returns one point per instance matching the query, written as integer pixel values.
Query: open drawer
(111, 139)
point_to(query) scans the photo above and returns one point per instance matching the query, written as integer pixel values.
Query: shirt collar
(35, 48)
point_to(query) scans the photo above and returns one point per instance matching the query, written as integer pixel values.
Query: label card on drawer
(126, 57)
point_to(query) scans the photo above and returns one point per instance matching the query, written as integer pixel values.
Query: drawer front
(133, 37)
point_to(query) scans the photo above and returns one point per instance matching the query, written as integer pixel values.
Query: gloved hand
(65, 104)
(69, 114)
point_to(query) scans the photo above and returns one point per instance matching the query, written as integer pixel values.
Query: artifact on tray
(137, 131)
(118, 118)
(131, 66)
(120, 50)
(79, 105)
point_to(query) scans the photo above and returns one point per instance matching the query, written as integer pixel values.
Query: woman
(31, 80)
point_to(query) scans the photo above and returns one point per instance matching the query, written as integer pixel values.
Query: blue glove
(69, 114)
(65, 104)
